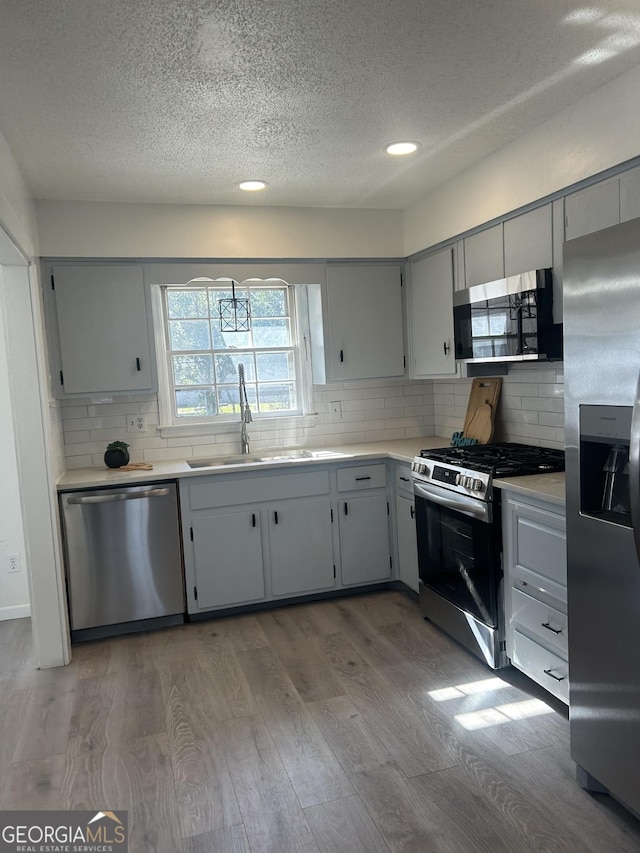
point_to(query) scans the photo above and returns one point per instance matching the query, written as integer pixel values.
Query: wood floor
(347, 725)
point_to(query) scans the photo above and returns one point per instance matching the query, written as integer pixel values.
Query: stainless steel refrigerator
(602, 414)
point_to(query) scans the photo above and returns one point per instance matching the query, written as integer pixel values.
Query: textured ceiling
(179, 100)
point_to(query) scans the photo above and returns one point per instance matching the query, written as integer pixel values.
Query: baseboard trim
(17, 611)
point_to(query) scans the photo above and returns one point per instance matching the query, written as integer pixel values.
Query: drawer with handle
(354, 478)
(546, 668)
(404, 483)
(536, 617)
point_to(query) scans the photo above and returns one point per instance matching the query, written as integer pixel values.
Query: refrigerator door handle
(634, 469)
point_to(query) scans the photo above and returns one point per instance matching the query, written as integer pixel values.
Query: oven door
(459, 550)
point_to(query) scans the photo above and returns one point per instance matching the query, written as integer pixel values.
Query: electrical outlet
(336, 410)
(137, 423)
(13, 561)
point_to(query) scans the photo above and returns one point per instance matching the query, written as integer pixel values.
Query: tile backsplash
(371, 411)
(531, 410)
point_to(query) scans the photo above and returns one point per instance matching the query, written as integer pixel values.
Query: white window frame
(172, 426)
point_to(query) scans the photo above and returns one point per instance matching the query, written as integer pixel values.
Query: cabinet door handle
(405, 479)
(275, 516)
(346, 508)
(549, 628)
(253, 519)
(556, 677)
(341, 355)
(138, 364)
(362, 478)
(412, 511)
(446, 347)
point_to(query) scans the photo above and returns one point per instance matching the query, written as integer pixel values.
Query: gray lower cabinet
(256, 536)
(363, 523)
(265, 536)
(227, 558)
(407, 568)
(300, 547)
(535, 585)
(407, 545)
(364, 539)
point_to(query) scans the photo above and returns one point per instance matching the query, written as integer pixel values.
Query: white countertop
(548, 487)
(402, 449)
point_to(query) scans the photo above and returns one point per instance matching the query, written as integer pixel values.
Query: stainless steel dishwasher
(123, 558)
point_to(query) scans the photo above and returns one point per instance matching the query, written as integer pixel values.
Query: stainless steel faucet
(245, 411)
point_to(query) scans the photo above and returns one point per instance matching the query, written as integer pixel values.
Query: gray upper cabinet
(431, 315)
(103, 330)
(630, 195)
(484, 256)
(361, 318)
(528, 241)
(592, 209)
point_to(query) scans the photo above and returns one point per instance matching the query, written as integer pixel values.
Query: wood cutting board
(481, 408)
(480, 426)
(136, 466)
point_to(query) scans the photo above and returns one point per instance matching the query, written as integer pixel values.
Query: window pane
(268, 302)
(218, 293)
(498, 323)
(193, 370)
(277, 398)
(275, 365)
(479, 325)
(273, 332)
(228, 340)
(203, 360)
(228, 397)
(227, 366)
(196, 403)
(189, 334)
(187, 303)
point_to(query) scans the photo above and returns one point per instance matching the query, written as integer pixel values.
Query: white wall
(600, 131)
(14, 587)
(28, 407)
(17, 212)
(27, 380)
(103, 230)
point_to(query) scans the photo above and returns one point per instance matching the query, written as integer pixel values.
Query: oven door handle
(459, 503)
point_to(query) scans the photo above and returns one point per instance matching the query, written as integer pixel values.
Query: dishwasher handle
(119, 496)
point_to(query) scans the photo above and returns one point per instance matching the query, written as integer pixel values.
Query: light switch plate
(336, 410)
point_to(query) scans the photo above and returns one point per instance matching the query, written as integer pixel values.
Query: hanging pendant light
(235, 313)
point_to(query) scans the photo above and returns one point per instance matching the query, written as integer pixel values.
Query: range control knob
(478, 485)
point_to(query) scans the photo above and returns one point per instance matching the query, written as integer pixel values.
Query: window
(202, 361)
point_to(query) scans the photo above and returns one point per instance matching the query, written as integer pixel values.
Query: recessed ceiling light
(252, 186)
(399, 148)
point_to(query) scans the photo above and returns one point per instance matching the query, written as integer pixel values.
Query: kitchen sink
(280, 456)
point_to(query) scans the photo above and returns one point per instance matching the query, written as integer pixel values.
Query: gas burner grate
(502, 459)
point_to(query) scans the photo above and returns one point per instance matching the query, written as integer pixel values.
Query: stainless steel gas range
(459, 532)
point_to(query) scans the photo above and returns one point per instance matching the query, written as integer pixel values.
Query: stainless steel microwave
(507, 320)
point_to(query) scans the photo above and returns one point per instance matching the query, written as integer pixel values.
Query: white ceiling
(179, 100)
